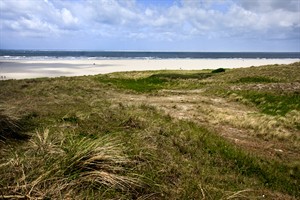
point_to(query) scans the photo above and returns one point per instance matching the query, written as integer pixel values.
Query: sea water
(102, 55)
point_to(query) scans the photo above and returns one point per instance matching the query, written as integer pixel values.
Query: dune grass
(71, 166)
(155, 81)
(139, 85)
(272, 103)
(255, 79)
(84, 144)
(268, 73)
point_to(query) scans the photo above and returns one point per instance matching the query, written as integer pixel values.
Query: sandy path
(240, 124)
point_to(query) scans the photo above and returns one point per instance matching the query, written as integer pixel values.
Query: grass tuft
(56, 167)
(10, 128)
(98, 162)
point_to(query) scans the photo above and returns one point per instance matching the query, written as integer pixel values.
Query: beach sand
(22, 69)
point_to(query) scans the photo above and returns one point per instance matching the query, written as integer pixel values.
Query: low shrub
(219, 70)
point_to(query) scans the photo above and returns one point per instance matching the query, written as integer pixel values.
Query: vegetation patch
(152, 83)
(272, 103)
(60, 166)
(255, 80)
(219, 70)
(281, 73)
(139, 85)
(250, 165)
(198, 76)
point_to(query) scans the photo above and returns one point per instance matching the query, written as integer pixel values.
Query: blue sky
(155, 25)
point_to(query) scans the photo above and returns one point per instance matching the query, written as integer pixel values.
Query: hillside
(153, 135)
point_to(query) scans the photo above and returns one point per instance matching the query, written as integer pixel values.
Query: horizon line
(150, 51)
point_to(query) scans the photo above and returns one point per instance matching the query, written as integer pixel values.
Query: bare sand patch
(21, 69)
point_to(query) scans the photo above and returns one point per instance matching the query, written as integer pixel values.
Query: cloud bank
(151, 25)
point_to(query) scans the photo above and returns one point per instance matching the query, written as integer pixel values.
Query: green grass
(139, 85)
(153, 82)
(273, 103)
(251, 165)
(170, 76)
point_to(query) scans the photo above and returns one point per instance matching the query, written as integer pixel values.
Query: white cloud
(67, 17)
(182, 20)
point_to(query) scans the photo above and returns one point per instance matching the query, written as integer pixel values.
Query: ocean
(101, 55)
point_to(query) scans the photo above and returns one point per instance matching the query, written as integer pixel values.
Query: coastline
(23, 69)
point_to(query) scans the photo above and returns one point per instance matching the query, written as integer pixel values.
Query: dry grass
(241, 123)
(56, 167)
(195, 105)
(259, 124)
(281, 73)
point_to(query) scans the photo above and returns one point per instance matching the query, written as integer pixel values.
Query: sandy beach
(22, 69)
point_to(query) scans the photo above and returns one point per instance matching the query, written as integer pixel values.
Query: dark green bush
(219, 70)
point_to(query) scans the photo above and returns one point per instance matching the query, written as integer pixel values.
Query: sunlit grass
(60, 165)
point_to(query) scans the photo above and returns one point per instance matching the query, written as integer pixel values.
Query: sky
(151, 25)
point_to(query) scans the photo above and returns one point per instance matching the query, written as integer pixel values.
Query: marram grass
(59, 167)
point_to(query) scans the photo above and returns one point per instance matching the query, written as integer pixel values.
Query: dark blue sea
(43, 55)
